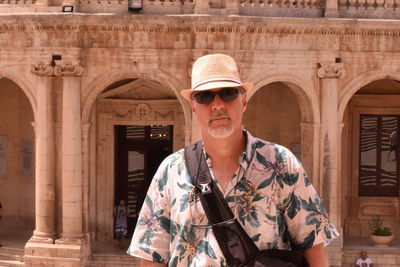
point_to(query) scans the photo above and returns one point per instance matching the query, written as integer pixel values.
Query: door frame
(111, 112)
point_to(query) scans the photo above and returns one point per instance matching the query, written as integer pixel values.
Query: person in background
(364, 261)
(121, 222)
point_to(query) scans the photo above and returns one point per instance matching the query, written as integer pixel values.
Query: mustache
(219, 114)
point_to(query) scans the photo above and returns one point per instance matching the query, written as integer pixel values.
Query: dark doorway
(139, 150)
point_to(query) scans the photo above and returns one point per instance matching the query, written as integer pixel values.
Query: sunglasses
(207, 97)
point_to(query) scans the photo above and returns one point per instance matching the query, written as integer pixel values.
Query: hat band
(215, 80)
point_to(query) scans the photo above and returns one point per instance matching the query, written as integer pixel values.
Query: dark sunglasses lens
(228, 94)
(204, 97)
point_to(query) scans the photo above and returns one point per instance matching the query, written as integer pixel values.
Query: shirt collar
(245, 157)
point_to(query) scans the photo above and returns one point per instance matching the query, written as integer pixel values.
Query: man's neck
(225, 149)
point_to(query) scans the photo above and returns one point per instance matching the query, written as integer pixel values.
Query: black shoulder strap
(233, 240)
(214, 204)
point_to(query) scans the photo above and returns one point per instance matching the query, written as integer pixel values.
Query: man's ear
(244, 101)
(192, 105)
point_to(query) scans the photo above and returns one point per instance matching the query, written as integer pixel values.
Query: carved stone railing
(378, 9)
(148, 6)
(17, 2)
(282, 8)
(374, 9)
(17, 6)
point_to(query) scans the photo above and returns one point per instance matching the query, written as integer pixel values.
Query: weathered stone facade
(76, 76)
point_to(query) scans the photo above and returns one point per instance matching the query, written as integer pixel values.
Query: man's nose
(218, 103)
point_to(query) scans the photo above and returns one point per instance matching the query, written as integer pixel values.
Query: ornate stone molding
(68, 69)
(287, 30)
(42, 69)
(331, 71)
(143, 111)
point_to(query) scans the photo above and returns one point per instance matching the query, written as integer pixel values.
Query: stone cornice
(273, 30)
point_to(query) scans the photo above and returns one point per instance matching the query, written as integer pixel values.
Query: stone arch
(307, 98)
(357, 83)
(19, 183)
(108, 78)
(309, 117)
(25, 85)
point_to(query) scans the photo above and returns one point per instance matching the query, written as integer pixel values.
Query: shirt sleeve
(151, 238)
(307, 220)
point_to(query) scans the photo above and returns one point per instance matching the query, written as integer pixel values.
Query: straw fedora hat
(212, 72)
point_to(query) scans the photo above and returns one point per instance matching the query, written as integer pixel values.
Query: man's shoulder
(264, 146)
(173, 158)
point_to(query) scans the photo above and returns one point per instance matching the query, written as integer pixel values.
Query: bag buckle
(205, 188)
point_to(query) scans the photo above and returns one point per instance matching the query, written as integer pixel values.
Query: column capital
(42, 69)
(330, 70)
(68, 69)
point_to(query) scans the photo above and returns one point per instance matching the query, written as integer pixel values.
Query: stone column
(72, 184)
(329, 73)
(332, 9)
(41, 5)
(310, 150)
(232, 7)
(45, 158)
(85, 172)
(201, 7)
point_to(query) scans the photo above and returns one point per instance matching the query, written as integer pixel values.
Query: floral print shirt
(275, 202)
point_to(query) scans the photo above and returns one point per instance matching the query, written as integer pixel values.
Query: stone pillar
(41, 5)
(45, 158)
(310, 151)
(232, 7)
(201, 7)
(329, 73)
(188, 131)
(86, 184)
(72, 184)
(332, 9)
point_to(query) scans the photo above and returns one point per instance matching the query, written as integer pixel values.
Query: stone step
(113, 260)
(8, 253)
(10, 263)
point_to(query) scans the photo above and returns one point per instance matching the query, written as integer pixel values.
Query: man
(364, 261)
(262, 182)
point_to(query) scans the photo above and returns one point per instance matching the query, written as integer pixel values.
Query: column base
(331, 13)
(69, 241)
(40, 237)
(335, 251)
(52, 255)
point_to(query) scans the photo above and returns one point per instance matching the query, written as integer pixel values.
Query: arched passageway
(370, 157)
(137, 123)
(282, 113)
(17, 161)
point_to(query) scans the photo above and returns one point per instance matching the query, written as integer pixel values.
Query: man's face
(219, 119)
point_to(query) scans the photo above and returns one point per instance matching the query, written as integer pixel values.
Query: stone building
(90, 104)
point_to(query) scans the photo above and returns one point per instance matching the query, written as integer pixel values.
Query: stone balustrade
(374, 9)
(148, 6)
(387, 9)
(17, 2)
(281, 8)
